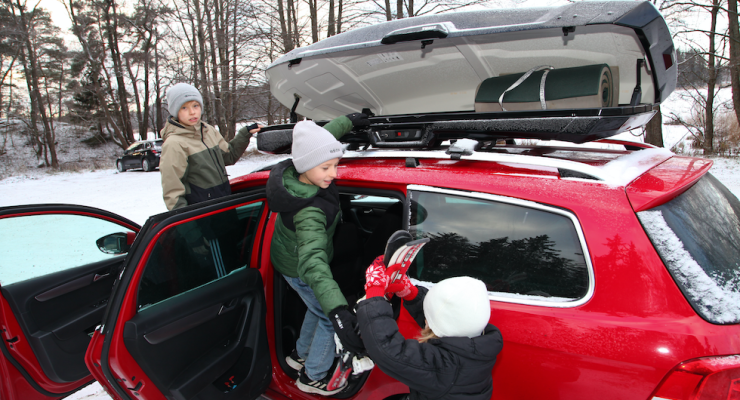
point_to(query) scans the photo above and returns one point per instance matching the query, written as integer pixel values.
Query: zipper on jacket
(208, 150)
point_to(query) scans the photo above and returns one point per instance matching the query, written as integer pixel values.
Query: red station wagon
(612, 267)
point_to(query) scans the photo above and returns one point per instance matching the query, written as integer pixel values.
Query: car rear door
(187, 316)
(55, 283)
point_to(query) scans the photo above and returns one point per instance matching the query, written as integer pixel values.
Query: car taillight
(707, 378)
(154, 151)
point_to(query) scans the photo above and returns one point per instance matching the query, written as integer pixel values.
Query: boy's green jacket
(194, 160)
(306, 250)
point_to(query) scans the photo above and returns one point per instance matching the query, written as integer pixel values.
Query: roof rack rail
(420, 131)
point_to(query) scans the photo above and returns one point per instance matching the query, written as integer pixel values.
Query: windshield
(697, 235)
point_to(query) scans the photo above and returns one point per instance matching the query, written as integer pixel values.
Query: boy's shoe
(295, 361)
(305, 384)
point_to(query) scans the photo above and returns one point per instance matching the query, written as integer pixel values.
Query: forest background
(104, 66)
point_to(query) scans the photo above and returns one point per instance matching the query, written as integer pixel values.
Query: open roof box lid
(603, 62)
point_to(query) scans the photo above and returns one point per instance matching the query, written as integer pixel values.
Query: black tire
(145, 165)
(120, 167)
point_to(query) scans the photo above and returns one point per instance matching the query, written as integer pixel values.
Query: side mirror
(116, 243)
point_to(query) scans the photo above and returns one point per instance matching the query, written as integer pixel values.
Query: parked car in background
(613, 267)
(143, 154)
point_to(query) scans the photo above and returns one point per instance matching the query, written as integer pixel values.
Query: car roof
(584, 168)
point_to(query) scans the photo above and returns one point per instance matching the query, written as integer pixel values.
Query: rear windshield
(697, 235)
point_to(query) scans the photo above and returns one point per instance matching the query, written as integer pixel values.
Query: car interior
(369, 217)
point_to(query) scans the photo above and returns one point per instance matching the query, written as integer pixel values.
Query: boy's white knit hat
(180, 94)
(313, 146)
(457, 307)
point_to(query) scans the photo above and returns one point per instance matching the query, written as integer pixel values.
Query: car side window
(199, 251)
(523, 251)
(45, 243)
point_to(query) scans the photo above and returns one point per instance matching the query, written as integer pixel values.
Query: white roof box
(579, 56)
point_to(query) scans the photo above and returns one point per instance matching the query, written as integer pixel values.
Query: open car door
(187, 316)
(57, 264)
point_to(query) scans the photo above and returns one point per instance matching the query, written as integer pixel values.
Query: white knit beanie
(457, 307)
(181, 94)
(313, 146)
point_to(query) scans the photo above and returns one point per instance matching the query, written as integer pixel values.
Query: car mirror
(116, 243)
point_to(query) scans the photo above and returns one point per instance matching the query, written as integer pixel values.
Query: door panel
(58, 327)
(186, 342)
(56, 283)
(188, 318)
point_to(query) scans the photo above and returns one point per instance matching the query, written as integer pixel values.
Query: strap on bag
(524, 78)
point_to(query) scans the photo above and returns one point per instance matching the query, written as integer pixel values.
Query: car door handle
(65, 288)
(98, 277)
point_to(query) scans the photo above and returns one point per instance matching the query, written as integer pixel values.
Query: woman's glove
(358, 119)
(376, 280)
(403, 288)
(347, 329)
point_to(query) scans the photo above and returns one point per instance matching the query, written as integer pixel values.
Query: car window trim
(528, 204)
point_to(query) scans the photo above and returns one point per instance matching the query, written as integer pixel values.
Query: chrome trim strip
(529, 204)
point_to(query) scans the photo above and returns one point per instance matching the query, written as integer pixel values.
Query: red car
(613, 270)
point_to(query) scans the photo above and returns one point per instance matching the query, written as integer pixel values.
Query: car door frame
(25, 362)
(107, 370)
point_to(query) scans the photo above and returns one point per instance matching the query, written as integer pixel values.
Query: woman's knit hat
(457, 307)
(313, 146)
(181, 94)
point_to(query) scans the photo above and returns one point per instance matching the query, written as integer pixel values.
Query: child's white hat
(313, 146)
(457, 307)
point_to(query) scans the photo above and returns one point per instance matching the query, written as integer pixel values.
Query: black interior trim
(30, 380)
(66, 288)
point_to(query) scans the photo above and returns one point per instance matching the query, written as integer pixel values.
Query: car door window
(523, 251)
(29, 252)
(194, 253)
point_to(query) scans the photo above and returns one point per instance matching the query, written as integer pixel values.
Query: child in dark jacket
(303, 192)
(457, 349)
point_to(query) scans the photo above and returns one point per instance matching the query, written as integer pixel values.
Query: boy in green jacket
(303, 192)
(194, 154)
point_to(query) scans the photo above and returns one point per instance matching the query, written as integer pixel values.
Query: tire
(145, 165)
(120, 167)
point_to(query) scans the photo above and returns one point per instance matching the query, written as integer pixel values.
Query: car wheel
(145, 165)
(119, 165)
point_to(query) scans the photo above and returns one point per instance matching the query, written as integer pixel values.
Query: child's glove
(358, 119)
(376, 281)
(347, 329)
(403, 288)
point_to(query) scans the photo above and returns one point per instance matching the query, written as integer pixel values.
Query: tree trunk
(654, 129)
(339, 16)
(285, 28)
(734, 33)
(399, 9)
(707, 143)
(32, 69)
(158, 88)
(137, 100)
(111, 24)
(217, 117)
(331, 30)
(201, 59)
(314, 12)
(388, 15)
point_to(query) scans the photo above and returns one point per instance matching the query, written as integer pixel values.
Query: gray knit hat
(181, 94)
(313, 145)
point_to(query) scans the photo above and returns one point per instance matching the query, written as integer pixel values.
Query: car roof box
(460, 62)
